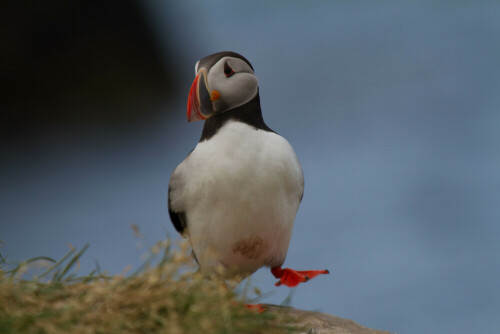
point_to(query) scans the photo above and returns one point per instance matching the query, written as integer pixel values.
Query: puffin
(236, 194)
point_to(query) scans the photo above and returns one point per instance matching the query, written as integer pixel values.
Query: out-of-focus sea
(393, 109)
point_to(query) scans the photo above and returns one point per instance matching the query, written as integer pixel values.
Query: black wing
(178, 218)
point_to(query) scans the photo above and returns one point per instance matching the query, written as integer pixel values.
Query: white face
(236, 88)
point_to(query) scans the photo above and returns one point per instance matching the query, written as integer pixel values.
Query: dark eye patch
(228, 71)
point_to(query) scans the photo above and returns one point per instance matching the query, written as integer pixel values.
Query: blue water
(393, 109)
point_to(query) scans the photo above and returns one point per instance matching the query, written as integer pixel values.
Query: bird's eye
(228, 71)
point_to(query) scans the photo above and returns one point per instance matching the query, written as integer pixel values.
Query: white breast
(240, 191)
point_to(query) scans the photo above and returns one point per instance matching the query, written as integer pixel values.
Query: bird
(236, 194)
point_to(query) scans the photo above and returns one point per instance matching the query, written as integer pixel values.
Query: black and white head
(223, 81)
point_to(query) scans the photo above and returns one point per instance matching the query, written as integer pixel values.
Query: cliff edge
(322, 323)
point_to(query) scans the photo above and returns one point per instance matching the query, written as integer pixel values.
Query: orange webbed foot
(256, 307)
(292, 278)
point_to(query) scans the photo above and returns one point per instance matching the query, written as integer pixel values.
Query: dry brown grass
(169, 297)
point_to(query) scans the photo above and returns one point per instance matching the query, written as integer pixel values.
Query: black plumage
(249, 113)
(178, 218)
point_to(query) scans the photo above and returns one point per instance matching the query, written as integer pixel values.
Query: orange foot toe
(292, 278)
(256, 307)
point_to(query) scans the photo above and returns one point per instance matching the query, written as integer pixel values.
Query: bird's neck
(249, 113)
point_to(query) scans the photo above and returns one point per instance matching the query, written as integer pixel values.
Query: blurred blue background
(393, 109)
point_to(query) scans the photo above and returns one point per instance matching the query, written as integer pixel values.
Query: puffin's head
(223, 81)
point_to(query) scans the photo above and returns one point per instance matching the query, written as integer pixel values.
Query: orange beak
(193, 104)
(201, 100)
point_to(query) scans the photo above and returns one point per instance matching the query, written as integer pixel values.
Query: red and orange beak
(200, 100)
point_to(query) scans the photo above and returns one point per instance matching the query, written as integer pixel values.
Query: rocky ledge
(322, 323)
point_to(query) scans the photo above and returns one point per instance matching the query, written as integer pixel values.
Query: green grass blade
(25, 263)
(71, 263)
(57, 264)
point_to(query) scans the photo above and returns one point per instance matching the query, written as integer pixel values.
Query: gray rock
(322, 323)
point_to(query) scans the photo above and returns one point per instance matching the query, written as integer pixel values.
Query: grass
(42, 295)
